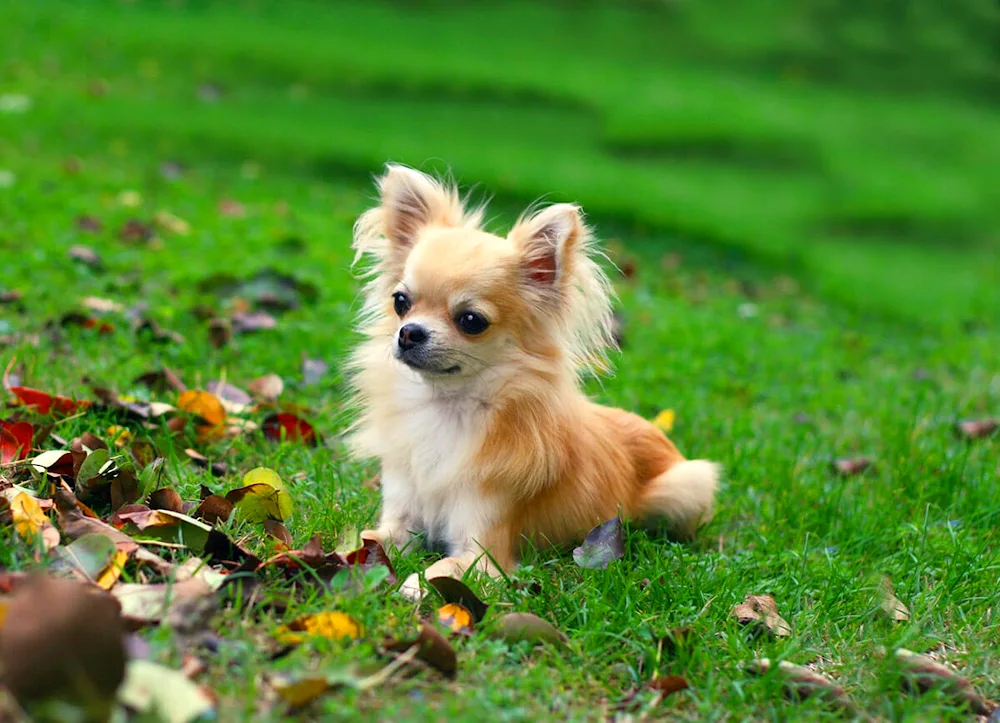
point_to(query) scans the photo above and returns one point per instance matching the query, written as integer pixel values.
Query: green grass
(816, 278)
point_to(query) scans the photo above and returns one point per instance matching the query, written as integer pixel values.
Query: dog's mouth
(425, 368)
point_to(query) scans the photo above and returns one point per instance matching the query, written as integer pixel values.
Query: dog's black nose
(411, 335)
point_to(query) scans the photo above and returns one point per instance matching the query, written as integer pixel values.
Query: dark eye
(401, 302)
(472, 323)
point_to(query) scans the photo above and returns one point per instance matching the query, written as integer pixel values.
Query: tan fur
(504, 447)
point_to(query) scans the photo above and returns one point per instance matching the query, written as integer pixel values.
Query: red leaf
(15, 441)
(293, 428)
(45, 403)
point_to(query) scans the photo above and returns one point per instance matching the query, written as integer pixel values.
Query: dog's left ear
(549, 241)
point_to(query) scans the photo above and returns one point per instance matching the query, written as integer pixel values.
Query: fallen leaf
(75, 524)
(164, 525)
(801, 683)
(85, 255)
(517, 627)
(849, 466)
(454, 591)
(663, 687)
(166, 499)
(665, 420)
(455, 618)
(230, 207)
(149, 604)
(299, 691)
(921, 673)
(130, 198)
(369, 555)
(232, 397)
(56, 463)
(603, 545)
(889, 604)
(284, 426)
(214, 510)
(245, 323)
(151, 689)
(87, 556)
(15, 441)
(101, 306)
(89, 224)
(110, 574)
(432, 648)
(977, 428)
(45, 403)
(313, 370)
(276, 530)
(332, 625)
(135, 231)
(267, 388)
(262, 497)
(91, 472)
(169, 222)
(204, 404)
(761, 613)
(67, 644)
(31, 522)
(220, 333)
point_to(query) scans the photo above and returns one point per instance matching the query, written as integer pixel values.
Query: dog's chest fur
(427, 459)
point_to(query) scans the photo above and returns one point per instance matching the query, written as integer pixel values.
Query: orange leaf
(205, 404)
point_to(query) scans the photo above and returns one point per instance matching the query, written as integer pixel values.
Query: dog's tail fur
(683, 496)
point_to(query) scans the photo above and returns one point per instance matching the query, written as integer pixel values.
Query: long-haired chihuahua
(468, 386)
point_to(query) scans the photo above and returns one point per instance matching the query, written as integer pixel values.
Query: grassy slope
(927, 515)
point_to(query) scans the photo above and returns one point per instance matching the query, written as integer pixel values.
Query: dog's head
(455, 302)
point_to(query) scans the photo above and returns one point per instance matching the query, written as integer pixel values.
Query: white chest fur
(428, 437)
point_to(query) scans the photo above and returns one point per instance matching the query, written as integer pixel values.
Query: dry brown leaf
(68, 644)
(432, 648)
(761, 613)
(801, 683)
(889, 604)
(267, 388)
(921, 673)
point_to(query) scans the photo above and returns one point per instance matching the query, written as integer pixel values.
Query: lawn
(812, 276)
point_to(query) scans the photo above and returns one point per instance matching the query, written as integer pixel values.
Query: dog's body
(468, 386)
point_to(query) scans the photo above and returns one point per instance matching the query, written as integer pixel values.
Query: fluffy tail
(683, 496)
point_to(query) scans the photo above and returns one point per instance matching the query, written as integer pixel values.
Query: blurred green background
(854, 145)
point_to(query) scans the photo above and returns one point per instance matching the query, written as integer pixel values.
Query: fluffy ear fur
(567, 285)
(410, 201)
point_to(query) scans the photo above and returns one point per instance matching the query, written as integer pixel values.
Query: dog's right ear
(411, 201)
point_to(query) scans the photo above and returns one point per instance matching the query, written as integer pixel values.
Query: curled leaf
(517, 627)
(760, 612)
(921, 673)
(454, 591)
(889, 604)
(45, 403)
(801, 683)
(267, 388)
(30, 522)
(166, 499)
(603, 545)
(432, 648)
(214, 509)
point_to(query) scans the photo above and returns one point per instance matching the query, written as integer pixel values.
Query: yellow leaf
(28, 516)
(299, 692)
(332, 625)
(121, 435)
(169, 222)
(205, 404)
(3, 612)
(455, 617)
(110, 574)
(665, 420)
(263, 497)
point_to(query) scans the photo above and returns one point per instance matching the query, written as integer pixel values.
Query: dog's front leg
(491, 556)
(399, 513)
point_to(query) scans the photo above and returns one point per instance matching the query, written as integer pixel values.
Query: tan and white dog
(468, 386)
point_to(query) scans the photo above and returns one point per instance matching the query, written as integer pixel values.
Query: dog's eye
(401, 302)
(471, 322)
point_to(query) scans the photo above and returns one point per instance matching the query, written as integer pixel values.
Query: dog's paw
(411, 588)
